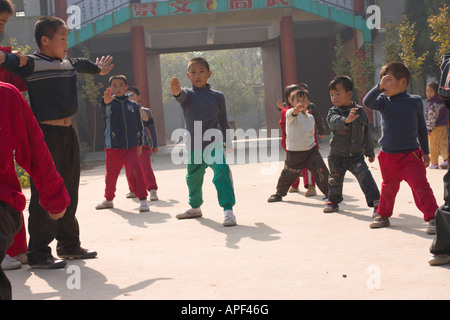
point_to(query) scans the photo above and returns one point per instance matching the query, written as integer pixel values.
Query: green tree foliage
(418, 11)
(237, 73)
(440, 26)
(391, 47)
(341, 65)
(407, 35)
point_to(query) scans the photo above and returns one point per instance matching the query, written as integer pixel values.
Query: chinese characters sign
(150, 8)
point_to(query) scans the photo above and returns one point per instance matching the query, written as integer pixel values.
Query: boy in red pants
(404, 144)
(150, 146)
(123, 141)
(22, 140)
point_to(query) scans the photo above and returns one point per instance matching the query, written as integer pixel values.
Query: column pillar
(140, 63)
(155, 91)
(61, 9)
(273, 90)
(288, 55)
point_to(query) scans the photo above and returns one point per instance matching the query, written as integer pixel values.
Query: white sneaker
(105, 204)
(9, 263)
(22, 258)
(190, 213)
(130, 195)
(153, 195)
(144, 206)
(230, 219)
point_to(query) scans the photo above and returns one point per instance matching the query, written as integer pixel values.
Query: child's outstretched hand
(352, 116)
(175, 87)
(104, 64)
(299, 108)
(22, 58)
(108, 96)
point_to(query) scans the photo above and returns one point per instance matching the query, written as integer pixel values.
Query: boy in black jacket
(124, 139)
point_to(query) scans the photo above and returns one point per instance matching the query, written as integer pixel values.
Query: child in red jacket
(23, 141)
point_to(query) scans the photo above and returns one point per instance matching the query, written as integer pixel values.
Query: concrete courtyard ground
(289, 250)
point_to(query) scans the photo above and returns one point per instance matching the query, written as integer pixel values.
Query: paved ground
(288, 250)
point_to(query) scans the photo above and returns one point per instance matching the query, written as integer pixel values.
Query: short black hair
(300, 93)
(434, 85)
(118, 76)
(346, 82)
(288, 91)
(398, 69)
(135, 90)
(47, 27)
(7, 6)
(200, 60)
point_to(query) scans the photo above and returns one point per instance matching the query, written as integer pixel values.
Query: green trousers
(198, 161)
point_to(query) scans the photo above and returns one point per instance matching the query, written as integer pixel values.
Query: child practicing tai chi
(124, 137)
(302, 150)
(23, 141)
(150, 146)
(51, 80)
(436, 117)
(350, 142)
(205, 107)
(404, 151)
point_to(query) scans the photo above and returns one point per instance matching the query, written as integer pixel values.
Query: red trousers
(115, 160)
(409, 167)
(308, 179)
(147, 170)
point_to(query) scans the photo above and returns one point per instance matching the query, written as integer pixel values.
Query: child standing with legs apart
(51, 80)
(404, 144)
(204, 107)
(436, 116)
(302, 151)
(123, 141)
(350, 142)
(150, 146)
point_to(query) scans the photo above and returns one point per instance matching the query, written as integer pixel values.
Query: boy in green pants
(205, 112)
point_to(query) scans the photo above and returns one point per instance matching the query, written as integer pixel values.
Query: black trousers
(441, 242)
(10, 224)
(295, 162)
(64, 147)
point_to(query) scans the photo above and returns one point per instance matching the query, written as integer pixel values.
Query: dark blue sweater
(403, 126)
(206, 107)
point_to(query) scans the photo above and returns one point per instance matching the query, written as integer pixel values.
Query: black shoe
(50, 263)
(274, 198)
(80, 253)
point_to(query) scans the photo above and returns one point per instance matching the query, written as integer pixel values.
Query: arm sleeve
(152, 129)
(320, 124)
(422, 131)
(335, 120)
(32, 154)
(183, 97)
(12, 63)
(85, 66)
(373, 100)
(223, 122)
(368, 141)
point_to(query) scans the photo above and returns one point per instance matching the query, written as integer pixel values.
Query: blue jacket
(123, 123)
(403, 126)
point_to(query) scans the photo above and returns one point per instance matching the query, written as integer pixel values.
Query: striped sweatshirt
(51, 83)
